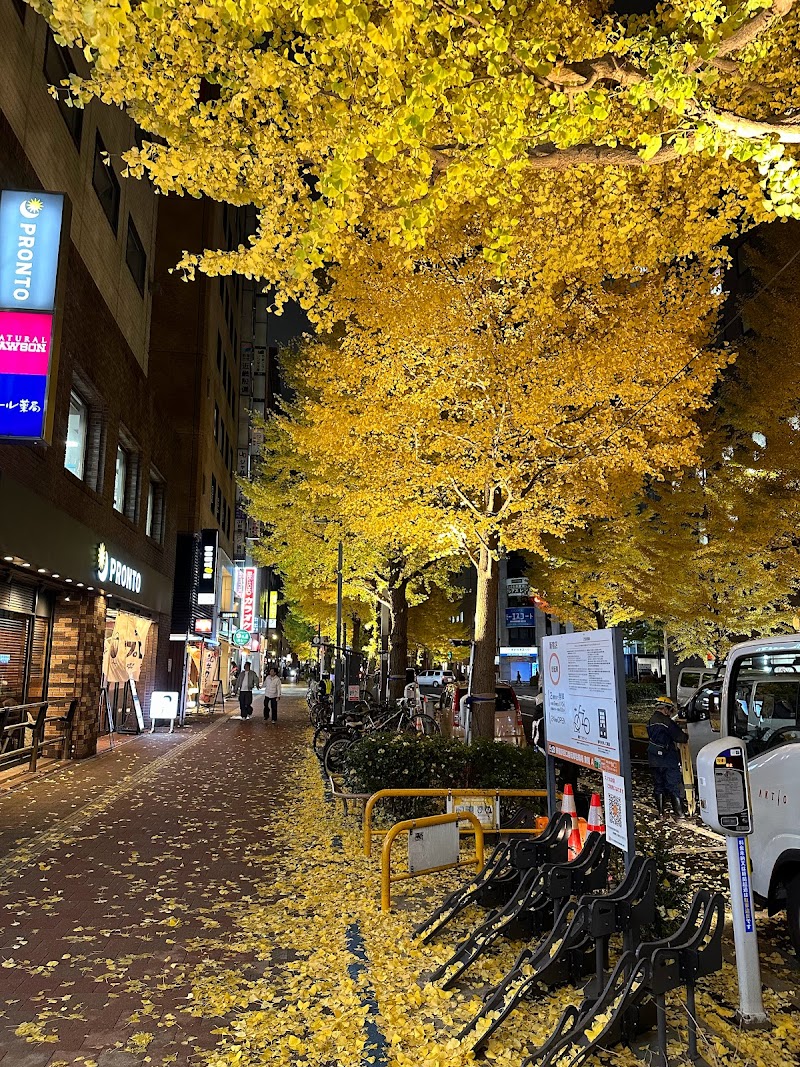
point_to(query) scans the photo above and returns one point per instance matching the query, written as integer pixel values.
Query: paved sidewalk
(106, 874)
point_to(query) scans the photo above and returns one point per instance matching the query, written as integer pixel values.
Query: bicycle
(404, 718)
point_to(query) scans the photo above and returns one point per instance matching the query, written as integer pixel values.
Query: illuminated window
(77, 431)
(120, 479)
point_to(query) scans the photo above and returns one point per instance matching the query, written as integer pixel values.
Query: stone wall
(76, 665)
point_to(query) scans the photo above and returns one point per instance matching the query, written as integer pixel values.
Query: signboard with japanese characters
(580, 700)
(517, 586)
(519, 617)
(249, 599)
(30, 240)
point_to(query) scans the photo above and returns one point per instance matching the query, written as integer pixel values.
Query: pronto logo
(113, 570)
(31, 208)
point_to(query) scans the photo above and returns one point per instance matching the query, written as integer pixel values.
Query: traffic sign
(241, 638)
(316, 641)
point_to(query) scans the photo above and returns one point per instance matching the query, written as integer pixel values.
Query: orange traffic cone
(568, 801)
(574, 845)
(595, 821)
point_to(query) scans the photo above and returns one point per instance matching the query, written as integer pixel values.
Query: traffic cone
(595, 823)
(568, 801)
(574, 844)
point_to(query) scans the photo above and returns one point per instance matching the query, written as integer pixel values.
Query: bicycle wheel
(334, 755)
(426, 724)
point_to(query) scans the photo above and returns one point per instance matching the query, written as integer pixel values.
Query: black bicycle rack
(533, 906)
(577, 944)
(501, 873)
(640, 979)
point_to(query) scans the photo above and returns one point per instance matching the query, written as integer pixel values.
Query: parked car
(434, 679)
(507, 718)
(690, 679)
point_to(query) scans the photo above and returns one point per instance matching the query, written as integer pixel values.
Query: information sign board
(241, 638)
(581, 700)
(616, 811)
(485, 809)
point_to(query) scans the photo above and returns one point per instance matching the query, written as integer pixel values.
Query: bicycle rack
(578, 941)
(500, 870)
(533, 904)
(656, 968)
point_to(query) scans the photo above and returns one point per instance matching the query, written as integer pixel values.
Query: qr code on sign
(615, 812)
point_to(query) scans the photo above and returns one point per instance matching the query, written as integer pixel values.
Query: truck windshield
(764, 700)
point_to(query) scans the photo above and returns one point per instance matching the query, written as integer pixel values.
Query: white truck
(761, 705)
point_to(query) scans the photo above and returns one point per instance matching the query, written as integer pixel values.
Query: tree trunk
(483, 666)
(356, 643)
(398, 642)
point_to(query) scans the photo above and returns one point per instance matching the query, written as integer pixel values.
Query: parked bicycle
(403, 717)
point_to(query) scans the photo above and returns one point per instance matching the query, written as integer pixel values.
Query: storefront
(62, 590)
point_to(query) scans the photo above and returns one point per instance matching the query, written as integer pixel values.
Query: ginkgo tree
(450, 398)
(712, 551)
(562, 127)
(310, 502)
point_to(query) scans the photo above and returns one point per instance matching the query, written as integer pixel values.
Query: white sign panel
(616, 819)
(518, 586)
(432, 846)
(580, 699)
(486, 809)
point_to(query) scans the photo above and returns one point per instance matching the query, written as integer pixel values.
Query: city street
(194, 900)
(111, 872)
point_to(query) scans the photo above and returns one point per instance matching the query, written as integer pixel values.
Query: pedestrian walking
(664, 735)
(272, 694)
(246, 682)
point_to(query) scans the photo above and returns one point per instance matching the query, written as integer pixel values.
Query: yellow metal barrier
(383, 793)
(415, 824)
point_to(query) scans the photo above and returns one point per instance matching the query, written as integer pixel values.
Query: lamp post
(337, 668)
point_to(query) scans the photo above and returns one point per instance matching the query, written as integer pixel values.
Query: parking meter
(724, 788)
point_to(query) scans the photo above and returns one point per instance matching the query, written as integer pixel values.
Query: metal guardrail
(415, 824)
(36, 723)
(444, 793)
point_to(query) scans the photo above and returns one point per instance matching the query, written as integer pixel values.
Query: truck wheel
(793, 911)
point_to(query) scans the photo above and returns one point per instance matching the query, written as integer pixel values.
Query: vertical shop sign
(209, 674)
(30, 240)
(249, 599)
(272, 610)
(207, 581)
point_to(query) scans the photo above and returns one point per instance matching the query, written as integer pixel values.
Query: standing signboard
(209, 675)
(30, 243)
(586, 720)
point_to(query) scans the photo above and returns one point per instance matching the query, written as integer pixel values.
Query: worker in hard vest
(664, 735)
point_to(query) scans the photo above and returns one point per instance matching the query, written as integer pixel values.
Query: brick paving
(107, 871)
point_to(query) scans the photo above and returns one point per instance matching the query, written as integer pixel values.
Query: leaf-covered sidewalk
(213, 910)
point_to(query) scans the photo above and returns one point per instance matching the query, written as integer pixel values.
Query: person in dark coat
(664, 735)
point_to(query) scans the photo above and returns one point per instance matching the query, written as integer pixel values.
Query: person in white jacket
(272, 694)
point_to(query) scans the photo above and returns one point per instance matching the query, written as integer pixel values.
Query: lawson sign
(30, 236)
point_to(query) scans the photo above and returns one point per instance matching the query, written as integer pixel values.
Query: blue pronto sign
(30, 236)
(30, 239)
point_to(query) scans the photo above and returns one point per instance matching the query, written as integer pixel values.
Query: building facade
(88, 519)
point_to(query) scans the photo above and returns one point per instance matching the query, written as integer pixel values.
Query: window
(765, 693)
(106, 183)
(216, 422)
(58, 66)
(77, 434)
(135, 256)
(213, 493)
(219, 352)
(154, 523)
(120, 479)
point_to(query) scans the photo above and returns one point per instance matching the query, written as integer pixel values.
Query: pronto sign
(580, 700)
(30, 236)
(110, 569)
(30, 239)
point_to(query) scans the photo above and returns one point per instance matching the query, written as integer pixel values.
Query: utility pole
(337, 670)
